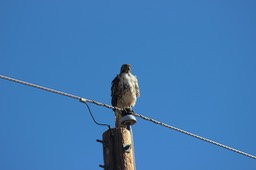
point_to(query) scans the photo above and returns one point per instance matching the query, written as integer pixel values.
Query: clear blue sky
(196, 65)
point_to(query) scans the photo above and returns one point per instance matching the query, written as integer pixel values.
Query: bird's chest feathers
(127, 89)
(127, 83)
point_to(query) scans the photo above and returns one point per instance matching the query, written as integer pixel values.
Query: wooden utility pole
(118, 149)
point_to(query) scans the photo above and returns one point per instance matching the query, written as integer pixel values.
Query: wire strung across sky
(84, 100)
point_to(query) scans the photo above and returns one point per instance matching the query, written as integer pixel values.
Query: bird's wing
(114, 90)
(137, 87)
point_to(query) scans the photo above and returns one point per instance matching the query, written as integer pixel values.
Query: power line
(39, 87)
(84, 100)
(57, 92)
(94, 120)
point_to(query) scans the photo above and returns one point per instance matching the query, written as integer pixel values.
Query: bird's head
(126, 68)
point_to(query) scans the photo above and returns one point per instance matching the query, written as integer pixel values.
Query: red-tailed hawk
(124, 90)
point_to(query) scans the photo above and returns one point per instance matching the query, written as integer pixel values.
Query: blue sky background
(195, 61)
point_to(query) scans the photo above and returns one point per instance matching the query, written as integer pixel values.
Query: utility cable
(100, 124)
(39, 87)
(83, 100)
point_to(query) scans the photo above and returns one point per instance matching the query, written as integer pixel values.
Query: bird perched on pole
(124, 91)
